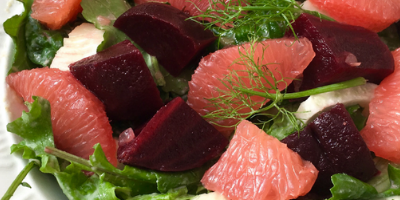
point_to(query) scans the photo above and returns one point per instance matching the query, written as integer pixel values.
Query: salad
(261, 22)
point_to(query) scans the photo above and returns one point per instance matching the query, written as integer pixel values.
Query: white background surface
(43, 186)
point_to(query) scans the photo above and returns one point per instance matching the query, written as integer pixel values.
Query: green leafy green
(76, 185)
(282, 127)
(169, 86)
(347, 187)
(42, 44)
(36, 130)
(163, 180)
(394, 176)
(282, 124)
(250, 20)
(106, 182)
(35, 127)
(265, 29)
(15, 27)
(25, 184)
(247, 32)
(177, 86)
(154, 67)
(180, 193)
(139, 180)
(391, 37)
(132, 179)
(356, 115)
(103, 15)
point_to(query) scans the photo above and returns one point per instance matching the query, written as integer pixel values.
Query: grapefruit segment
(371, 14)
(55, 13)
(381, 132)
(285, 58)
(78, 117)
(258, 166)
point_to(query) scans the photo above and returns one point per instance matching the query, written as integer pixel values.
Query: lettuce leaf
(15, 27)
(356, 115)
(42, 44)
(148, 181)
(107, 181)
(347, 187)
(180, 193)
(35, 127)
(391, 37)
(76, 185)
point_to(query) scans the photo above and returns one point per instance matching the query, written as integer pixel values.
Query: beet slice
(343, 52)
(120, 78)
(177, 138)
(333, 144)
(164, 31)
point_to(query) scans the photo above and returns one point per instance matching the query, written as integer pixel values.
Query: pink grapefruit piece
(55, 13)
(78, 117)
(284, 57)
(370, 14)
(257, 166)
(381, 133)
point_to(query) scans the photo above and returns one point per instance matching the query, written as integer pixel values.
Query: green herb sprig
(243, 20)
(235, 100)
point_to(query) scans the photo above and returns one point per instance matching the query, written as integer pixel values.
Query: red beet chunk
(120, 78)
(177, 138)
(163, 31)
(343, 52)
(334, 145)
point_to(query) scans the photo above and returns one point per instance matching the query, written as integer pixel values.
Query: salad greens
(35, 46)
(249, 20)
(35, 127)
(359, 119)
(42, 44)
(107, 182)
(347, 187)
(15, 27)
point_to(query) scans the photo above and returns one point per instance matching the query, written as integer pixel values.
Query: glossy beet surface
(175, 139)
(342, 52)
(163, 31)
(334, 145)
(120, 78)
